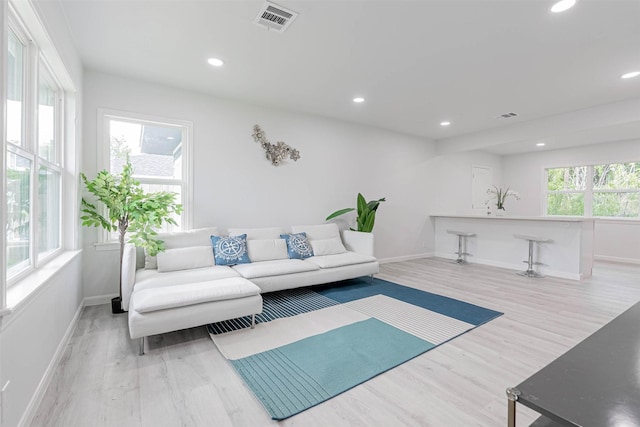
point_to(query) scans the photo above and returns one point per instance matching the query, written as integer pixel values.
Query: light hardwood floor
(184, 381)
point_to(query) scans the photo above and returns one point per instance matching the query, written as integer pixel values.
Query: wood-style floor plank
(184, 381)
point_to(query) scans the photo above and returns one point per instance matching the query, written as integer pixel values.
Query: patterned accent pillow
(298, 245)
(230, 250)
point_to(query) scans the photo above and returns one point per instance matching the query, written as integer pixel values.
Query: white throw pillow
(267, 249)
(330, 246)
(185, 258)
(181, 239)
(321, 231)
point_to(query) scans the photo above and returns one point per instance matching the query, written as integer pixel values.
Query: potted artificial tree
(128, 209)
(365, 219)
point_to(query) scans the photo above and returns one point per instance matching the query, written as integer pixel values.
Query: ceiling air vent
(507, 115)
(274, 17)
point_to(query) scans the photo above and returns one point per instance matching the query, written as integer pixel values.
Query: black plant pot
(116, 305)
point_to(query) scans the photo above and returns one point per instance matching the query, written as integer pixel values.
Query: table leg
(512, 396)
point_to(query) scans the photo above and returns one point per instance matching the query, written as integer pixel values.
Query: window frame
(588, 192)
(33, 61)
(104, 116)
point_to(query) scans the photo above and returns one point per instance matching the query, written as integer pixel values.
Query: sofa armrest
(128, 274)
(357, 241)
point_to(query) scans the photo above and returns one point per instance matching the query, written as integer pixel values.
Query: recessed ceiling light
(215, 62)
(358, 99)
(445, 123)
(562, 5)
(630, 75)
(540, 144)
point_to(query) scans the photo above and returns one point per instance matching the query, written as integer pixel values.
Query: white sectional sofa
(183, 287)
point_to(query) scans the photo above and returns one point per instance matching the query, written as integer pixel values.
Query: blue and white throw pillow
(230, 250)
(298, 246)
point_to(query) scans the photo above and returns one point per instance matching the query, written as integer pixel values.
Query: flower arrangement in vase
(500, 195)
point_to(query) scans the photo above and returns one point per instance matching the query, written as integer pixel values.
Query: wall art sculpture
(276, 153)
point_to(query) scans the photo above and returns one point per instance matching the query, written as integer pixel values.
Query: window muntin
(567, 179)
(49, 211)
(47, 111)
(571, 204)
(15, 89)
(617, 176)
(18, 213)
(606, 190)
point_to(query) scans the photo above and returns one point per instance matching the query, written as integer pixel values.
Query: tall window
(156, 149)
(609, 190)
(33, 169)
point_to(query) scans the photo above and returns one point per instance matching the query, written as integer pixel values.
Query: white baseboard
(36, 399)
(405, 258)
(617, 260)
(515, 267)
(99, 300)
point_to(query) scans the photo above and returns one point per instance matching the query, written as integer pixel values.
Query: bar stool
(462, 235)
(530, 272)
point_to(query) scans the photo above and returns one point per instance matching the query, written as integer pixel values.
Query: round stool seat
(461, 233)
(532, 238)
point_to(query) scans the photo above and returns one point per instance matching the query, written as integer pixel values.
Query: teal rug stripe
(294, 377)
(364, 287)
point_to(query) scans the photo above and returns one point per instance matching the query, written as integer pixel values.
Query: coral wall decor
(276, 153)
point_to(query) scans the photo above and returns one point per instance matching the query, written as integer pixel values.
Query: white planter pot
(357, 241)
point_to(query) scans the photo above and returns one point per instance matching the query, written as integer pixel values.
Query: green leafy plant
(366, 213)
(128, 210)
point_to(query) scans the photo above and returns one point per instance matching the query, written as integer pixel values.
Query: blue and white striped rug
(310, 345)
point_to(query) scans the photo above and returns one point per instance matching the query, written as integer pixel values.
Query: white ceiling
(417, 63)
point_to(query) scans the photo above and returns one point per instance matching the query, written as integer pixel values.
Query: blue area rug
(312, 344)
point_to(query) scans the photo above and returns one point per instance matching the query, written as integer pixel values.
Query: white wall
(614, 240)
(235, 186)
(32, 336)
(452, 179)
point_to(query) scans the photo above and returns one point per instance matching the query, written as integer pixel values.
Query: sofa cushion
(298, 246)
(146, 279)
(181, 239)
(321, 231)
(185, 258)
(193, 293)
(230, 250)
(327, 246)
(257, 233)
(273, 268)
(339, 260)
(267, 249)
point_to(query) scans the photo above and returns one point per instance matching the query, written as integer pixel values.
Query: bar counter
(569, 256)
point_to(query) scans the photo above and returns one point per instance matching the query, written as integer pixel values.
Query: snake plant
(366, 211)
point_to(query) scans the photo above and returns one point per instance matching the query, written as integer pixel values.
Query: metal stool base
(460, 259)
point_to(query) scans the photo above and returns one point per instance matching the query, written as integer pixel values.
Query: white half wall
(34, 338)
(235, 186)
(615, 240)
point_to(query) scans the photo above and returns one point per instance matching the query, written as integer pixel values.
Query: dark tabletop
(596, 383)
